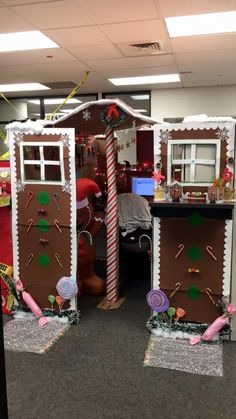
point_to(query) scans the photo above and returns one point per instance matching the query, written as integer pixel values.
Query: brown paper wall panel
(202, 310)
(31, 211)
(175, 231)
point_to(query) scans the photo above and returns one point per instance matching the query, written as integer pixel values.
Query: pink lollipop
(157, 301)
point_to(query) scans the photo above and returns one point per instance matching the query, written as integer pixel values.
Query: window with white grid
(42, 163)
(193, 162)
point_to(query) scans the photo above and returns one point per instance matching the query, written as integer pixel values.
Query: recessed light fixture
(22, 87)
(54, 101)
(140, 97)
(204, 24)
(140, 110)
(160, 78)
(23, 41)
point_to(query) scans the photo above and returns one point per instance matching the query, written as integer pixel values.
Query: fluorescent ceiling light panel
(23, 41)
(140, 97)
(54, 101)
(205, 24)
(160, 78)
(22, 87)
(140, 110)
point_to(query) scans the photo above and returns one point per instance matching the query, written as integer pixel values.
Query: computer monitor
(143, 186)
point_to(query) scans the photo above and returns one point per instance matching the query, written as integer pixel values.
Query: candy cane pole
(112, 219)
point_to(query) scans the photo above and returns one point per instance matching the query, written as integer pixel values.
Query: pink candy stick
(215, 327)
(31, 304)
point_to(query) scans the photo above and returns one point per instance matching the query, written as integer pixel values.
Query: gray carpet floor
(96, 372)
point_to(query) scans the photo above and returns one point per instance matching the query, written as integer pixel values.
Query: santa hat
(83, 187)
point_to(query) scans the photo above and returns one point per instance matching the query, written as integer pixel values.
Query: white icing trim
(156, 253)
(227, 257)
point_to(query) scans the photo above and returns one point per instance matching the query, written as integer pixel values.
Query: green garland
(112, 122)
(72, 315)
(156, 322)
(195, 219)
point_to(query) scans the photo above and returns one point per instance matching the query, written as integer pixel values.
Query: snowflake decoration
(20, 187)
(222, 134)
(66, 187)
(165, 136)
(86, 115)
(133, 140)
(18, 137)
(120, 147)
(127, 144)
(65, 139)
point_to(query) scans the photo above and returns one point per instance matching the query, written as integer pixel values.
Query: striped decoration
(112, 220)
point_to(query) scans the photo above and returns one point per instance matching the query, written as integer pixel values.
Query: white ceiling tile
(147, 30)
(52, 72)
(36, 56)
(229, 41)
(88, 52)
(117, 67)
(199, 43)
(153, 61)
(57, 14)
(150, 71)
(20, 2)
(191, 7)
(89, 35)
(108, 11)
(10, 22)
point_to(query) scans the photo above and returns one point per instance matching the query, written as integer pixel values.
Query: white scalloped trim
(156, 253)
(14, 201)
(227, 257)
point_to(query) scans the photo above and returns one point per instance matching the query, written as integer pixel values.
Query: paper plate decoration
(194, 253)
(67, 288)
(157, 301)
(195, 219)
(43, 198)
(44, 260)
(43, 225)
(194, 292)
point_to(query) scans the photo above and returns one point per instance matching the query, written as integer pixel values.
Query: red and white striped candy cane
(112, 219)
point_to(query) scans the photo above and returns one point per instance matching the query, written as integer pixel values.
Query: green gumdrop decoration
(195, 219)
(194, 292)
(43, 225)
(171, 311)
(44, 260)
(43, 198)
(194, 253)
(51, 299)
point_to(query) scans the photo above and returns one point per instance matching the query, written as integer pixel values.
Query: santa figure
(88, 225)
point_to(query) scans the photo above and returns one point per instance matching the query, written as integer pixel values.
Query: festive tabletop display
(193, 238)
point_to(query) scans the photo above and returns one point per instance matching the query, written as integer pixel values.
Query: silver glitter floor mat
(27, 336)
(176, 354)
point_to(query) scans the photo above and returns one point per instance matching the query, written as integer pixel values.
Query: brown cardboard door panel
(31, 211)
(202, 310)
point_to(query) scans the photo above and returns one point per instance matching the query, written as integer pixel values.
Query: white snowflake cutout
(65, 140)
(86, 115)
(165, 136)
(18, 137)
(222, 134)
(20, 187)
(66, 187)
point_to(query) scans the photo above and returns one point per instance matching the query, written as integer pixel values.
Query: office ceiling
(96, 35)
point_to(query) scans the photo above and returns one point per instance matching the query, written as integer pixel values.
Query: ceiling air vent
(60, 84)
(153, 46)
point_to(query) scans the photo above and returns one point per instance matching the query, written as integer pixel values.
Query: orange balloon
(59, 300)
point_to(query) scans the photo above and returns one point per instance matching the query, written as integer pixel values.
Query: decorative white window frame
(42, 163)
(193, 161)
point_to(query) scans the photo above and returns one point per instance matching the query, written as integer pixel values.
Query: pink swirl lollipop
(157, 301)
(67, 288)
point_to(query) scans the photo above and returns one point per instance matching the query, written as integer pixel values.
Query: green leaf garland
(43, 225)
(194, 252)
(194, 292)
(195, 219)
(43, 198)
(44, 260)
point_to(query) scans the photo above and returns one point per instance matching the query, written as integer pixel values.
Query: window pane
(52, 173)
(204, 173)
(206, 151)
(51, 153)
(181, 173)
(31, 152)
(32, 171)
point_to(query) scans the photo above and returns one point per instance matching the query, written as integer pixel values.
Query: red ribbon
(112, 110)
